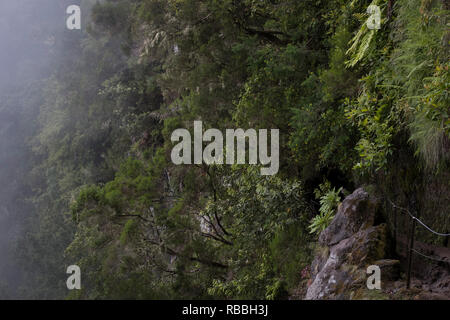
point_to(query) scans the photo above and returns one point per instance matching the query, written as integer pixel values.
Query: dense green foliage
(354, 106)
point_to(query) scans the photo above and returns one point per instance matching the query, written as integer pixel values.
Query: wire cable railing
(418, 220)
(411, 249)
(428, 257)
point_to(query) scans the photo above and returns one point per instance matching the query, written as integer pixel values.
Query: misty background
(32, 36)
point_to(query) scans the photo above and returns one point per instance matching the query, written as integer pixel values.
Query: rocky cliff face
(354, 240)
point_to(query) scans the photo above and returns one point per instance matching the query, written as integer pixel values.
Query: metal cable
(428, 257)
(431, 230)
(418, 220)
(423, 255)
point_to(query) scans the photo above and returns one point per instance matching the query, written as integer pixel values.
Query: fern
(329, 202)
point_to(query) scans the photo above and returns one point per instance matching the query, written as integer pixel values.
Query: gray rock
(357, 211)
(347, 247)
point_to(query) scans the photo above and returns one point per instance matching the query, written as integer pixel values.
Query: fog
(30, 34)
